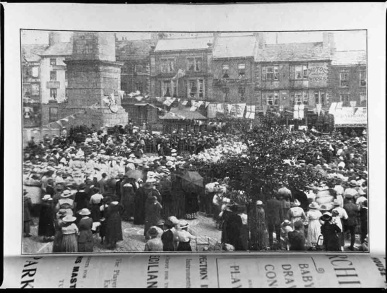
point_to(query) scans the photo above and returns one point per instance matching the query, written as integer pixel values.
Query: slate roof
(183, 112)
(59, 49)
(232, 47)
(133, 49)
(30, 52)
(292, 52)
(349, 58)
(183, 44)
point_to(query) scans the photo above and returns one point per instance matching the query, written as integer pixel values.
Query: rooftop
(183, 113)
(183, 44)
(231, 47)
(59, 49)
(349, 58)
(293, 52)
(133, 49)
(31, 52)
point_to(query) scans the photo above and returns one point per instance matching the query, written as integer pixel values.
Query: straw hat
(259, 203)
(173, 220)
(47, 197)
(85, 212)
(326, 217)
(314, 205)
(69, 219)
(183, 224)
(66, 193)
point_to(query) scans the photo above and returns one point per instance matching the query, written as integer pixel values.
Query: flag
(250, 111)
(220, 108)
(193, 108)
(301, 111)
(139, 98)
(137, 93)
(160, 99)
(184, 103)
(193, 103)
(211, 111)
(229, 107)
(296, 112)
(332, 108)
(207, 103)
(318, 109)
(180, 73)
(121, 94)
(65, 119)
(199, 103)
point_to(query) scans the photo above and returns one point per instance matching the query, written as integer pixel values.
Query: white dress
(314, 226)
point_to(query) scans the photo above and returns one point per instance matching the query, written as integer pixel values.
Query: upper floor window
(138, 68)
(167, 65)
(35, 89)
(270, 73)
(344, 78)
(241, 70)
(52, 75)
(272, 98)
(300, 98)
(53, 93)
(52, 61)
(242, 93)
(35, 71)
(363, 78)
(225, 71)
(194, 64)
(88, 49)
(345, 99)
(363, 98)
(196, 88)
(301, 71)
(166, 88)
(320, 97)
(53, 114)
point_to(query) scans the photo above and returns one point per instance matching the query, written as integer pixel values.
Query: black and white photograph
(193, 141)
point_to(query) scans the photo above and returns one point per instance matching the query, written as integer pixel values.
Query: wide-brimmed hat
(173, 220)
(82, 186)
(296, 203)
(85, 212)
(352, 183)
(66, 193)
(183, 224)
(69, 219)
(153, 232)
(259, 203)
(314, 205)
(47, 197)
(326, 217)
(324, 207)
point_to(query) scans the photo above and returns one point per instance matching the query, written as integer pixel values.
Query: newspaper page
(197, 271)
(58, 105)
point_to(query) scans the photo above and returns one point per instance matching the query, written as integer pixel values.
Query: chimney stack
(260, 37)
(329, 42)
(53, 38)
(216, 36)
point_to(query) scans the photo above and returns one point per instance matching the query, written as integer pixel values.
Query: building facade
(348, 78)
(293, 74)
(192, 58)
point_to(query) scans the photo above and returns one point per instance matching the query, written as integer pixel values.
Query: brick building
(31, 86)
(233, 69)
(348, 78)
(53, 69)
(293, 73)
(194, 56)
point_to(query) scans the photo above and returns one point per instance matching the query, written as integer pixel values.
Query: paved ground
(134, 241)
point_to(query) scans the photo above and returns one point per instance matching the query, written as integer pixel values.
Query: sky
(345, 40)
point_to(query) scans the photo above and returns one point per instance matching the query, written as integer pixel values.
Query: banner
(211, 110)
(353, 103)
(332, 108)
(220, 108)
(193, 108)
(139, 98)
(351, 116)
(184, 103)
(250, 111)
(296, 113)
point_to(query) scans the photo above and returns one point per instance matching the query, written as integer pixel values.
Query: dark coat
(352, 211)
(274, 212)
(167, 238)
(113, 223)
(46, 220)
(231, 230)
(139, 204)
(331, 239)
(296, 240)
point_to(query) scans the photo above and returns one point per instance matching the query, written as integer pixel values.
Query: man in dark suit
(275, 217)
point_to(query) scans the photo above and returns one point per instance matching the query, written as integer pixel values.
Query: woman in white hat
(69, 235)
(330, 232)
(46, 227)
(296, 213)
(184, 237)
(85, 239)
(66, 202)
(314, 226)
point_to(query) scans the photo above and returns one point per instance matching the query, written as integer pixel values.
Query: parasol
(193, 177)
(135, 174)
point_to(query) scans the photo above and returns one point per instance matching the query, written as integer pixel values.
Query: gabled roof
(183, 44)
(293, 52)
(133, 49)
(31, 52)
(59, 49)
(183, 113)
(349, 58)
(231, 47)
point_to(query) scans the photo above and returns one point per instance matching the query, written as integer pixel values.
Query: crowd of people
(90, 186)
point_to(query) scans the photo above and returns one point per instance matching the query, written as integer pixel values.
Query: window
(167, 65)
(166, 88)
(35, 71)
(363, 78)
(138, 68)
(300, 98)
(301, 71)
(270, 73)
(344, 78)
(225, 70)
(53, 114)
(65, 74)
(272, 98)
(35, 89)
(196, 88)
(88, 49)
(52, 75)
(53, 93)
(52, 61)
(345, 99)
(320, 97)
(241, 70)
(194, 64)
(242, 92)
